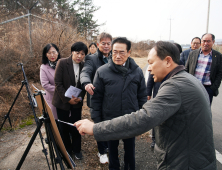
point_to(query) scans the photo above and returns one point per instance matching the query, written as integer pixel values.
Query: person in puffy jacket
(120, 89)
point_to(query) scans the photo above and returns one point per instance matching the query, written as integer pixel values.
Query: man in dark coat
(92, 63)
(152, 87)
(206, 65)
(195, 44)
(180, 113)
(120, 89)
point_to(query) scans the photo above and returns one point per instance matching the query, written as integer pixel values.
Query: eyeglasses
(196, 43)
(206, 41)
(52, 53)
(103, 43)
(121, 53)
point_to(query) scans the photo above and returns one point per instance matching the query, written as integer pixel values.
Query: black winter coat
(115, 95)
(151, 85)
(92, 63)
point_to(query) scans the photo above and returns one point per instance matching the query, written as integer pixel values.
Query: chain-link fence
(18, 45)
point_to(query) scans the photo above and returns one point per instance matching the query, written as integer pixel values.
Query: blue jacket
(184, 55)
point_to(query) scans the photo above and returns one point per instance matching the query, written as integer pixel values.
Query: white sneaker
(103, 158)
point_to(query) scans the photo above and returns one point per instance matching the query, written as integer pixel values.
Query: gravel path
(13, 144)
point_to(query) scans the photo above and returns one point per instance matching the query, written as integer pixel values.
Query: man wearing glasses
(206, 65)
(92, 63)
(119, 89)
(195, 44)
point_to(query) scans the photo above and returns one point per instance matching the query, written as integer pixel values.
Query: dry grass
(14, 48)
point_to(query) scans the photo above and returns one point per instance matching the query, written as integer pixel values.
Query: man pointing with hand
(180, 113)
(92, 63)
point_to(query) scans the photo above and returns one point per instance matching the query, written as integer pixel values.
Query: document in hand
(72, 91)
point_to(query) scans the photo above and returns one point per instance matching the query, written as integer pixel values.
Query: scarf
(123, 69)
(52, 64)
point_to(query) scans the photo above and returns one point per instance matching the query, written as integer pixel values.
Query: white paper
(72, 91)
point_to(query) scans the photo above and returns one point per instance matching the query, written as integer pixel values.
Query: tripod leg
(7, 116)
(52, 140)
(36, 119)
(52, 156)
(29, 145)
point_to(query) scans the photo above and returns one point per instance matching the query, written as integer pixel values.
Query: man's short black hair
(178, 46)
(213, 37)
(122, 40)
(164, 48)
(79, 46)
(46, 50)
(196, 38)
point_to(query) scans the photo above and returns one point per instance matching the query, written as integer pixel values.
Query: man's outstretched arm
(84, 127)
(154, 112)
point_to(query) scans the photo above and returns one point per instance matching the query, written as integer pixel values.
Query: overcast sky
(150, 19)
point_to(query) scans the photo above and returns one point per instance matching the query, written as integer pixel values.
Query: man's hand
(84, 127)
(74, 100)
(148, 97)
(89, 88)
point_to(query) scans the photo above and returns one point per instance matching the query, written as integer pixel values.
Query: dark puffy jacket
(116, 95)
(92, 63)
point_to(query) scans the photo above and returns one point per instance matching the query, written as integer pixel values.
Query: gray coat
(215, 70)
(116, 95)
(182, 119)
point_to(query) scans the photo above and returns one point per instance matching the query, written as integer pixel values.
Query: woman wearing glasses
(67, 74)
(50, 56)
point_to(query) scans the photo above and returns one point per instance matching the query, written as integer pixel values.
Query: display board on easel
(66, 157)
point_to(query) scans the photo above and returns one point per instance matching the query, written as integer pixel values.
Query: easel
(32, 103)
(56, 147)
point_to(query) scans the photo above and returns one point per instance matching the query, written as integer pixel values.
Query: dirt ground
(14, 143)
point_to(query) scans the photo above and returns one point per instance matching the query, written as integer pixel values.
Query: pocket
(160, 155)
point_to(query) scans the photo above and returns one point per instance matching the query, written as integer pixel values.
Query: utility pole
(208, 13)
(170, 28)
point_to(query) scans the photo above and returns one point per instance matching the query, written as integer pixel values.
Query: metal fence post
(30, 32)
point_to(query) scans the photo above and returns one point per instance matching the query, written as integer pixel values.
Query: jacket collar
(174, 71)
(210, 53)
(100, 55)
(132, 65)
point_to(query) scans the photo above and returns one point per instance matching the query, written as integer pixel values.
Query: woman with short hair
(69, 109)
